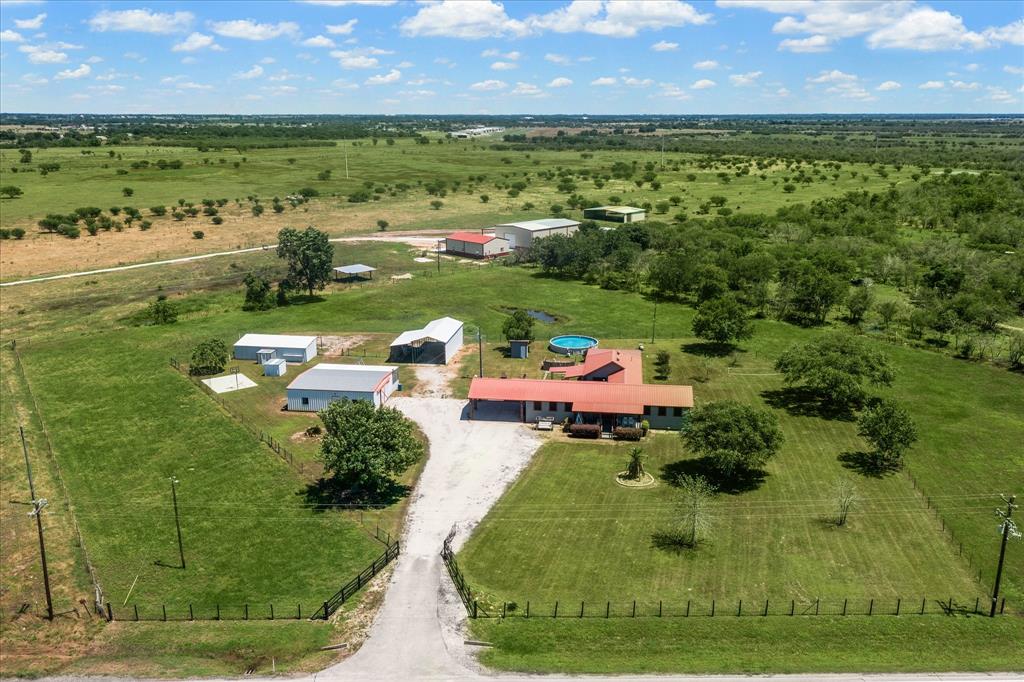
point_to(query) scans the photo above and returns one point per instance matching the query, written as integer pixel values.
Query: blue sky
(479, 56)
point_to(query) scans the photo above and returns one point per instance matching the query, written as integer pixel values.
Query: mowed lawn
(566, 516)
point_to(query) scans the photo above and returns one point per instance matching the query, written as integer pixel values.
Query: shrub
(158, 210)
(198, 234)
(217, 220)
(18, 233)
(627, 433)
(645, 426)
(585, 431)
(314, 430)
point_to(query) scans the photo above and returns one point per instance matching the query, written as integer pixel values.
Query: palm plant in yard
(635, 470)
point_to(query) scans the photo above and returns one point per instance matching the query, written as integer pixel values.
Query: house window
(305, 400)
(568, 407)
(537, 405)
(553, 407)
(647, 410)
(662, 411)
(677, 412)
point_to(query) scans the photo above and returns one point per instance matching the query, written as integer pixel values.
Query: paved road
(422, 240)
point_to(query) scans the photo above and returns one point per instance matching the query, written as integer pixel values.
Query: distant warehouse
(319, 386)
(476, 245)
(263, 347)
(615, 214)
(521, 235)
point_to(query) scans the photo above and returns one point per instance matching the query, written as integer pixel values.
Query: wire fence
(304, 467)
(19, 371)
(712, 608)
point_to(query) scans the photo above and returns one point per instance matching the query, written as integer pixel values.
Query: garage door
(497, 411)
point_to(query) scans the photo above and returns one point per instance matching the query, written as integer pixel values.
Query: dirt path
(419, 240)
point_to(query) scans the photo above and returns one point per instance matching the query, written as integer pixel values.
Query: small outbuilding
(615, 214)
(437, 343)
(476, 245)
(275, 367)
(264, 347)
(519, 349)
(520, 235)
(319, 386)
(355, 271)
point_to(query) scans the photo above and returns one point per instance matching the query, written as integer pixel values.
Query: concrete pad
(229, 382)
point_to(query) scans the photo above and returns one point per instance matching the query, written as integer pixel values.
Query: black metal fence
(357, 583)
(186, 612)
(711, 608)
(465, 591)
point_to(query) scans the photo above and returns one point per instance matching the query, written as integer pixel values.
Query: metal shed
(436, 343)
(615, 214)
(476, 245)
(319, 386)
(520, 235)
(263, 347)
(275, 367)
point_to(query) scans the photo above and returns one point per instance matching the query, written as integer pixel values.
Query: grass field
(752, 645)
(92, 180)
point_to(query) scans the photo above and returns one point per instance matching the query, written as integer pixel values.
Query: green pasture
(752, 645)
(91, 179)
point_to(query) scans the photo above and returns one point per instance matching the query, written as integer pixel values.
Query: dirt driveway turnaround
(417, 631)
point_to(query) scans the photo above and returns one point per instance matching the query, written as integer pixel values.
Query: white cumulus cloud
(247, 29)
(706, 65)
(9, 36)
(255, 72)
(664, 46)
(318, 41)
(888, 86)
(342, 29)
(745, 79)
(504, 66)
(141, 21)
(196, 41)
(931, 85)
(488, 85)
(604, 81)
(391, 76)
(703, 84)
(560, 82)
(527, 90)
(816, 43)
(33, 24)
(82, 71)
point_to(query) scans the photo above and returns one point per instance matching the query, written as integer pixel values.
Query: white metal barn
(436, 343)
(521, 235)
(319, 386)
(615, 214)
(263, 347)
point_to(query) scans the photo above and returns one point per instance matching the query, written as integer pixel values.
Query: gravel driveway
(416, 634)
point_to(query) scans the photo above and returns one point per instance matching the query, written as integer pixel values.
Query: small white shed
(319, 386)
(275, 367)
(437, 343)
(263, 347)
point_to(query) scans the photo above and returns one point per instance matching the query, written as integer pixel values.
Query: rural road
(420, 240)
(417, 635)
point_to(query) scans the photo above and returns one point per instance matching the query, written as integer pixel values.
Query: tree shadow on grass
(739, 482)
(709, 350)
(867, 464)
(672, 542)
(802, 402)
(328, 493)
(304, 299)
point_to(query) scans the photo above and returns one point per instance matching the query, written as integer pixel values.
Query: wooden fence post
(581, 609)
(474, 609)
(191, 616)
(871, 607)
(792, 606)
(687, 608)
(135, 607)
(271, 612)
(923, 600)
(634, 608)
(766, 607)
(327, 611)
(817, 606)
(246, 612)
(110, 612)
(527, 608)
(163, 607)
(739, 609)
(556, 609)
(712, 608)
(659, 608)
(898, 601)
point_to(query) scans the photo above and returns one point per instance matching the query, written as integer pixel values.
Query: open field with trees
(918, 265)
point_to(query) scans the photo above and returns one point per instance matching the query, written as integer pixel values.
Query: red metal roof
(583, 392)
(607, 408)
(628, 365)
(471, 237)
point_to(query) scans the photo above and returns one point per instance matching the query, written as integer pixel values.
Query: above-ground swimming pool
(572, 344)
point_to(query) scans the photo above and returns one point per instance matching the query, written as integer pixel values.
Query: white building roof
(331, 377)
(356, 269)
(441, 329)
(275, 341)
(616, 209)
(542, 224)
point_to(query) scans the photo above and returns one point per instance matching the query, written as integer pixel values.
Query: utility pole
(177, 521)
(654, 321)
(480, 349)
(1008, 529)
(437, 249)
(37, 511)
